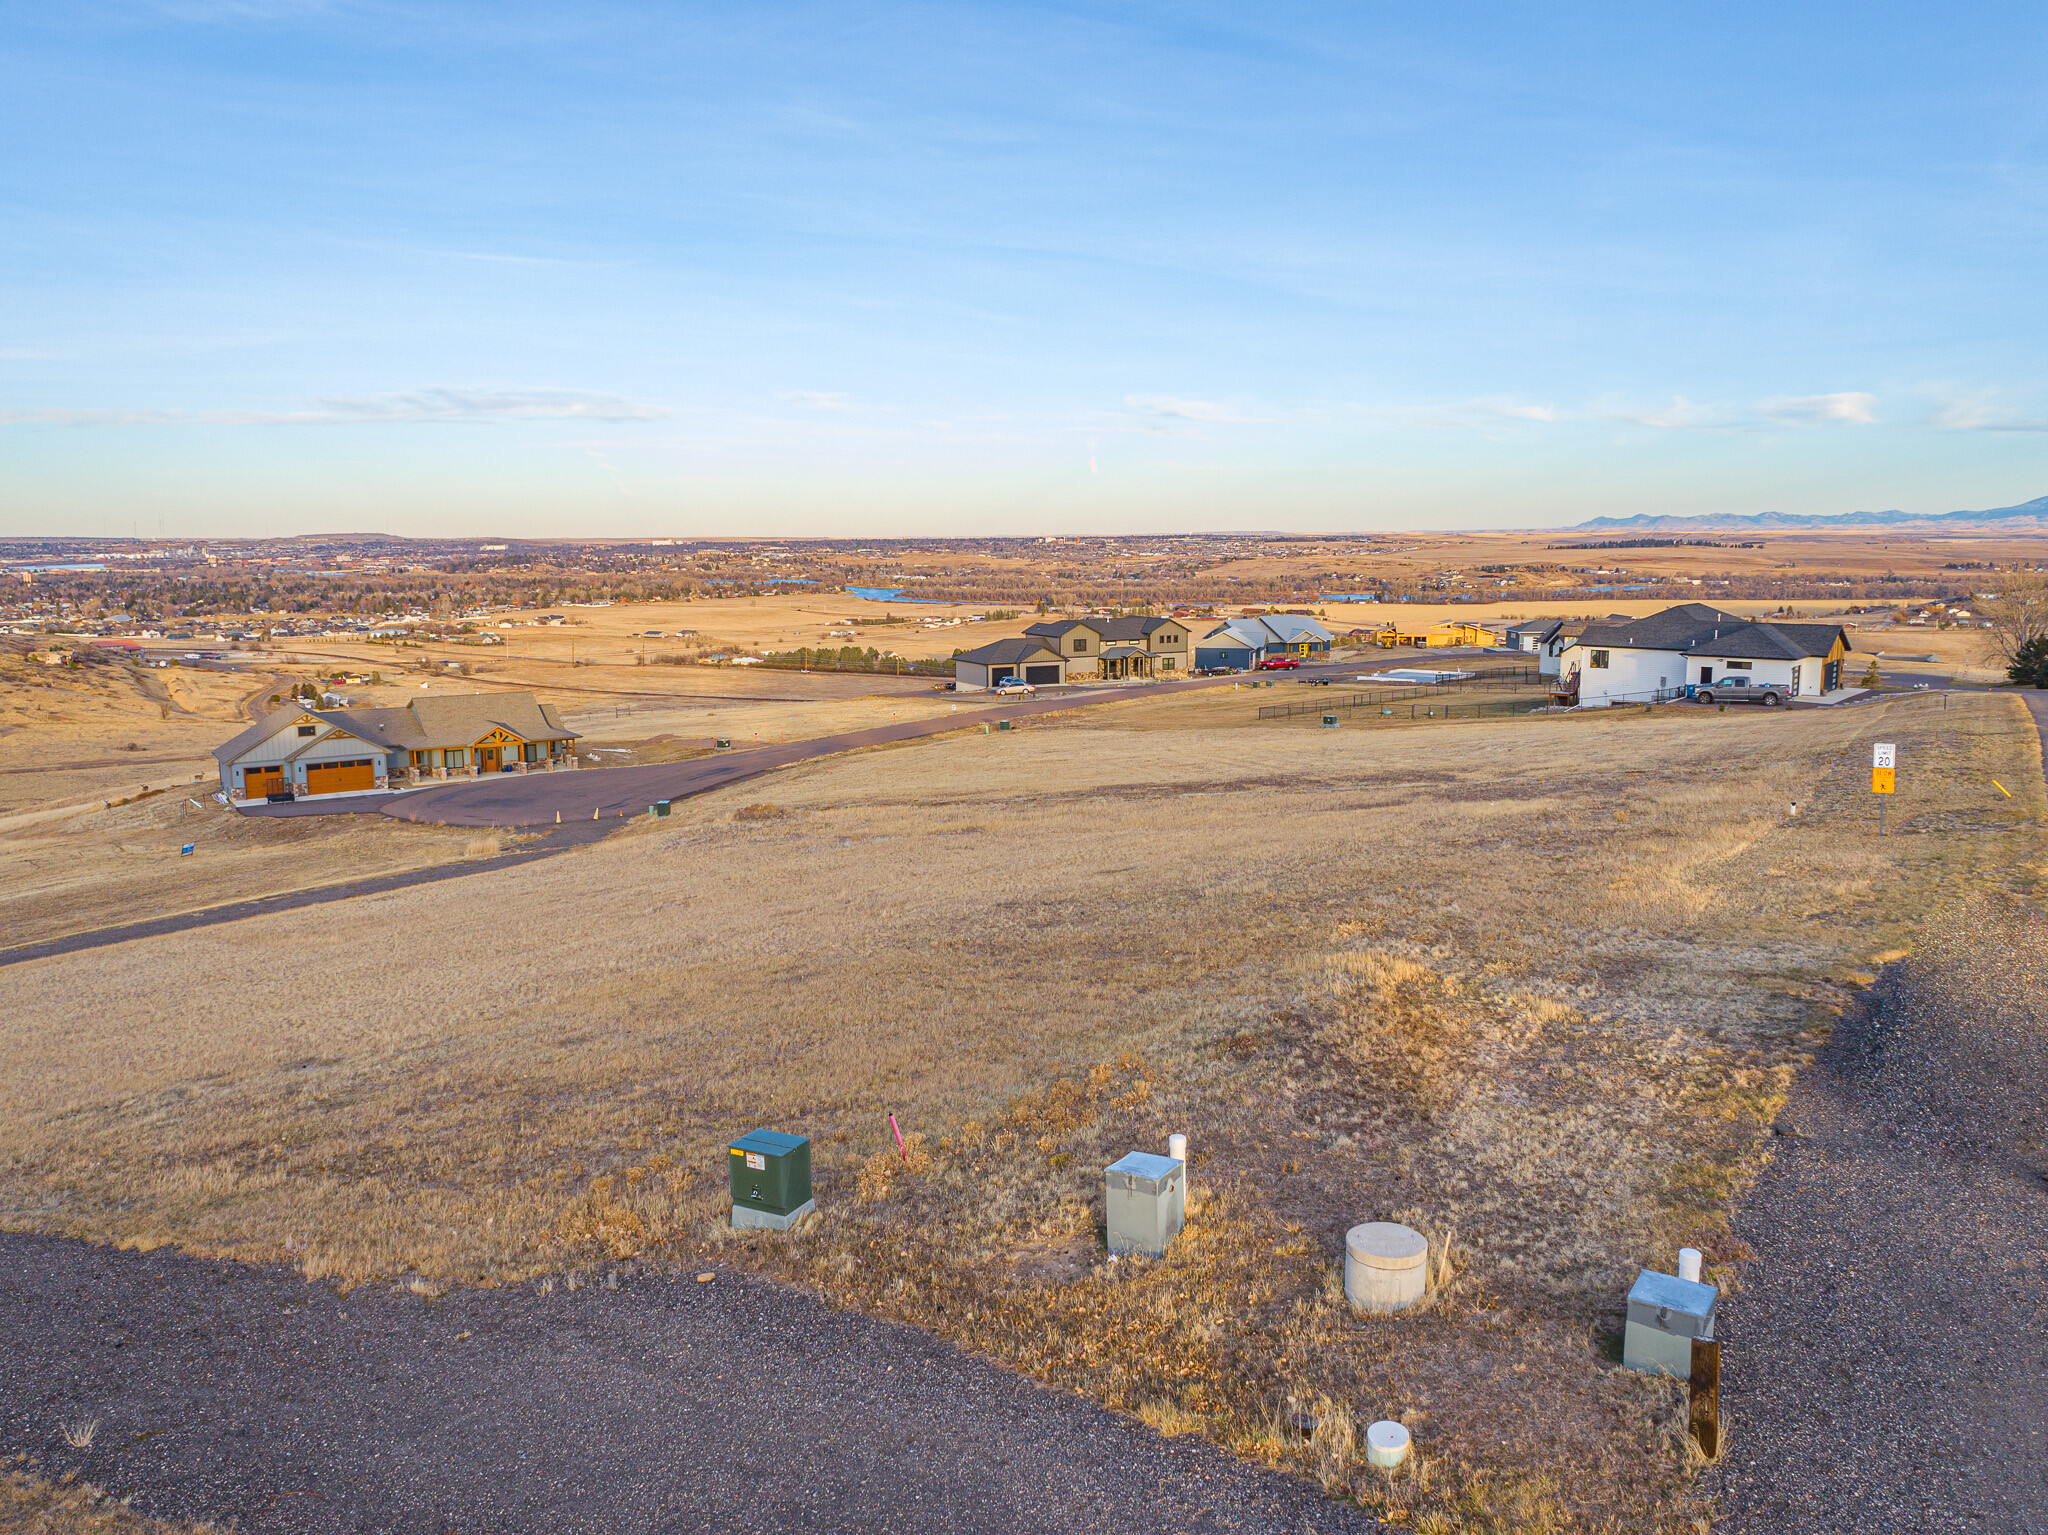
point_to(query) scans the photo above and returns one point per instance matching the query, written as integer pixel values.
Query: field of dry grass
(102, 868)
(1535, 987)
(99, 731)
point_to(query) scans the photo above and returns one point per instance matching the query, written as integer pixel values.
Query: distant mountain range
(2027, 515)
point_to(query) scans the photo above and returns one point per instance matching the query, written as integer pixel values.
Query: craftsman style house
(333, 751)
(1115, 649)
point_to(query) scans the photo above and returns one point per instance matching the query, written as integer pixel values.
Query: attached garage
(1031, 659)
(259, 781)
(341, 777)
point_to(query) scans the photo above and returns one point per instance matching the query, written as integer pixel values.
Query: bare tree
(2018, 615)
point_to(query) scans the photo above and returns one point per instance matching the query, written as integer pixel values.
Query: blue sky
(606, 268)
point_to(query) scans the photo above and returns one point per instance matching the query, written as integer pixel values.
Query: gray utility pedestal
(1665, 1314)
(1147, 1201)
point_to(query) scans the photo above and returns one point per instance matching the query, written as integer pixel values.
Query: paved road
(557, 840)
(662, 1405)
(608, 793)
(1887, 1359)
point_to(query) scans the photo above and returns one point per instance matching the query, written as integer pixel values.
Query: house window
(1598, 661)
(306, 730)
(1080, 647)
(455, 757)
(1737, 666)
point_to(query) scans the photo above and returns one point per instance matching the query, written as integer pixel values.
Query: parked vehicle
(1214, 671)
(1013, 685)
(1738, 690)
(1278, 664)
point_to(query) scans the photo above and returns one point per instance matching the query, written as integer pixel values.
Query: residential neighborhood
(1133, 649)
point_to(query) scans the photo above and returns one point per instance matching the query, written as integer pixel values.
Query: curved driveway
(538, 799)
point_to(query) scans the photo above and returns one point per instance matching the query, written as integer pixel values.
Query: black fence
(1381, 697)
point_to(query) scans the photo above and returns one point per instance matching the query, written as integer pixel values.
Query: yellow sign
(1881, 780)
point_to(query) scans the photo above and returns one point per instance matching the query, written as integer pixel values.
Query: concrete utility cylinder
(1386, 1444)
(1177, 1147)
(1386, 1267)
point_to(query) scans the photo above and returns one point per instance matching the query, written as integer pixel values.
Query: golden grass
(31, 1505)
(1426, 974)
(102, 868)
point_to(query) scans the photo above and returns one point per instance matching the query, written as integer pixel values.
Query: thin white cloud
(1680, 415)
(1847, 408)
(1850, 408)
(1168, 407)
(419, 405)
(819, 399)
(1976, 413)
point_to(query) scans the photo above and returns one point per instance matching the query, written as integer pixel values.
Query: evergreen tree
(2030, 663)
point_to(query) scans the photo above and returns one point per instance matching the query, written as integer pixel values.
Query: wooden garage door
(337, 777)
(268, 780)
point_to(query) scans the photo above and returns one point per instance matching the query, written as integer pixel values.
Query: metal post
(1705, 1416)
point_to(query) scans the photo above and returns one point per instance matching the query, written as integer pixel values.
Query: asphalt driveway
(660, 1405)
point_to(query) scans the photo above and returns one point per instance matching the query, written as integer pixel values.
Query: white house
(1636, 660)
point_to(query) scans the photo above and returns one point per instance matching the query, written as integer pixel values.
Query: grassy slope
(1534, 987)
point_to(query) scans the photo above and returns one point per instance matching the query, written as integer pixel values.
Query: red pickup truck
(1278, 664)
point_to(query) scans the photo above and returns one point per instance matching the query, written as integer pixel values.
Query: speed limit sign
(1884, 754)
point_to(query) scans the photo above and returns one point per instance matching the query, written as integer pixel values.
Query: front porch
(1123, 663)
(496, 753)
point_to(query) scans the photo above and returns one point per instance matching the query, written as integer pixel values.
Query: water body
(890, 594)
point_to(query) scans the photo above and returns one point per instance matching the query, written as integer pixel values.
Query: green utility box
(771, 1180)
(658, 808)
(722, 744)
(1002, 724)
(1329, 722)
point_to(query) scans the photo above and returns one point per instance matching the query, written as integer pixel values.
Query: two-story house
(1118, 649)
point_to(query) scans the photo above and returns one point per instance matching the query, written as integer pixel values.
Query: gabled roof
(1537, 628)
(1128, 630)
(1272, 629)
(1292, 629)
(259, 732)
(451, 719)
(1006, 652)
(1248, 632)
(1059, 628)
(1775, 642)
(1679, 628)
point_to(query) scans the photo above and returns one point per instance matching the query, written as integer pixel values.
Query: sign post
(1884, 761)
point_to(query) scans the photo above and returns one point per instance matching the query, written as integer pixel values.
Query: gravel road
(1886, 1365)
(661, 1405)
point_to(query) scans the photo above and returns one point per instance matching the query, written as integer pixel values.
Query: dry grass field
(1534, 986)
(102, 868)
(99, 731)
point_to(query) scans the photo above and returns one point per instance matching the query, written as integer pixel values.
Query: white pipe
(1177, 1147)
(1689, 1264)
